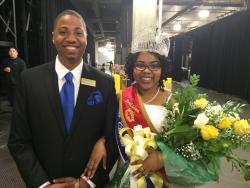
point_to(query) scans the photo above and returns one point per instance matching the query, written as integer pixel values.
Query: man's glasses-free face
(141, 66)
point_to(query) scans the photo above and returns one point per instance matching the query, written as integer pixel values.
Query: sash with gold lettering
(132, 110)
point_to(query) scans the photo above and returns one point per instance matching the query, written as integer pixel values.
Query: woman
(142, 103)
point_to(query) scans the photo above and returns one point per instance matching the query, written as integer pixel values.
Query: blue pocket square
(95, 98)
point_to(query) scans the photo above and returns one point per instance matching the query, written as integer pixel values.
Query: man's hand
(98, 153)
(7, 69)
(83, 183)
(68, 182)
(61, 185)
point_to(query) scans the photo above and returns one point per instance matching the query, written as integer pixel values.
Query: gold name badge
(88, 82)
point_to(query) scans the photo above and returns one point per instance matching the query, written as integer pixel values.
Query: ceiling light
(101, 50)
(203, 13)
(177, 27)
(109, 45)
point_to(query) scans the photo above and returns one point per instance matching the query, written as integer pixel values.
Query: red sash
(132, 110)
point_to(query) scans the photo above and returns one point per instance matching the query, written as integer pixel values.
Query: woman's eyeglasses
(141, 66)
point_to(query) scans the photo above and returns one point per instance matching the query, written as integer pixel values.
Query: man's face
(13, 53)
(70, 39)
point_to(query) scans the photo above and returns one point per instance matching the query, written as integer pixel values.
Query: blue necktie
(67, 100)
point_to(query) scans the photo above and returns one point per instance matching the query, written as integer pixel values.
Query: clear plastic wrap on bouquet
(121, 178)
(187, 173)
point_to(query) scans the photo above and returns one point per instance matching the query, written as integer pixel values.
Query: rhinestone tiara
(150, 41)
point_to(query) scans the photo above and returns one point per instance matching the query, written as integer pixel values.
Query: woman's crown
(150, 40)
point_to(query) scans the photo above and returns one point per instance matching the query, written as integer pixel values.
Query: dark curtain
(49, 11)
(221, 55)
(36, 43)
(123, 44)
(175, 55)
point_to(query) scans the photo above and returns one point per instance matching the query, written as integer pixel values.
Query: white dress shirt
(61, 71)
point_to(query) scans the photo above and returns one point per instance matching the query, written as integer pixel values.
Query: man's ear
(53, 37)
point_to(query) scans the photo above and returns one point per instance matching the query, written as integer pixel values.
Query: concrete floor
(10, 178)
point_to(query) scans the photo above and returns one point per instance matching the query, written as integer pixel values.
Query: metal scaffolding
(8, 28)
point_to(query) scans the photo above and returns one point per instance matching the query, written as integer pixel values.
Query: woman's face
(147, 71)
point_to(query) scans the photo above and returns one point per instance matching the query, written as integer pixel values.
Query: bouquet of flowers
(198, 133)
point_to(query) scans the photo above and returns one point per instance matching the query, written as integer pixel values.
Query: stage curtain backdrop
(37, 41)
(221, 55)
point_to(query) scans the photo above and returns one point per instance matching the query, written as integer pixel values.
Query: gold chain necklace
(153, 98)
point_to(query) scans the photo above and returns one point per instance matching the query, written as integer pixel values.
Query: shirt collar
(61, 70)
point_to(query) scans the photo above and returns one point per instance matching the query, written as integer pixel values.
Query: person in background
(11, 69)
(64, 113)
(111, 67)
(103, 67)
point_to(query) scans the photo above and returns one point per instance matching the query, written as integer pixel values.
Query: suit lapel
(51, 86)
(81, 103)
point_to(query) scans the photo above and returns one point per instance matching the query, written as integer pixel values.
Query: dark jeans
(11, 93)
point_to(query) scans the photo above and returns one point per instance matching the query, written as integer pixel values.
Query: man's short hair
(12, 47)
(70, 12)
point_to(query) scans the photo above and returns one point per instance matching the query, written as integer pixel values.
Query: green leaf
(246, 171)
(194, 79)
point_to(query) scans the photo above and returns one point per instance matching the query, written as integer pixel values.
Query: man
(43, 148)
(12, 68)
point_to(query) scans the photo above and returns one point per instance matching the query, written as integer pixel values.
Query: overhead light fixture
(203, 13)
(177, 27)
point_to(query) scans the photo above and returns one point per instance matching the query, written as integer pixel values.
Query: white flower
(201, 120)
(216, 109)
(176, 108)
(176, 105)
(234, 117)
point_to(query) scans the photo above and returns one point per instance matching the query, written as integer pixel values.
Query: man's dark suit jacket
(38, 142)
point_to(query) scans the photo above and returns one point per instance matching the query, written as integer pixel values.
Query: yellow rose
(201, 103)
(209, 132)
(225, 123)
(242, 127)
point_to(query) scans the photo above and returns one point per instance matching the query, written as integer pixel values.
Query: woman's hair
(131, 59)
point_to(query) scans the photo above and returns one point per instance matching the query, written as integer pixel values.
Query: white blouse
(156, 114)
